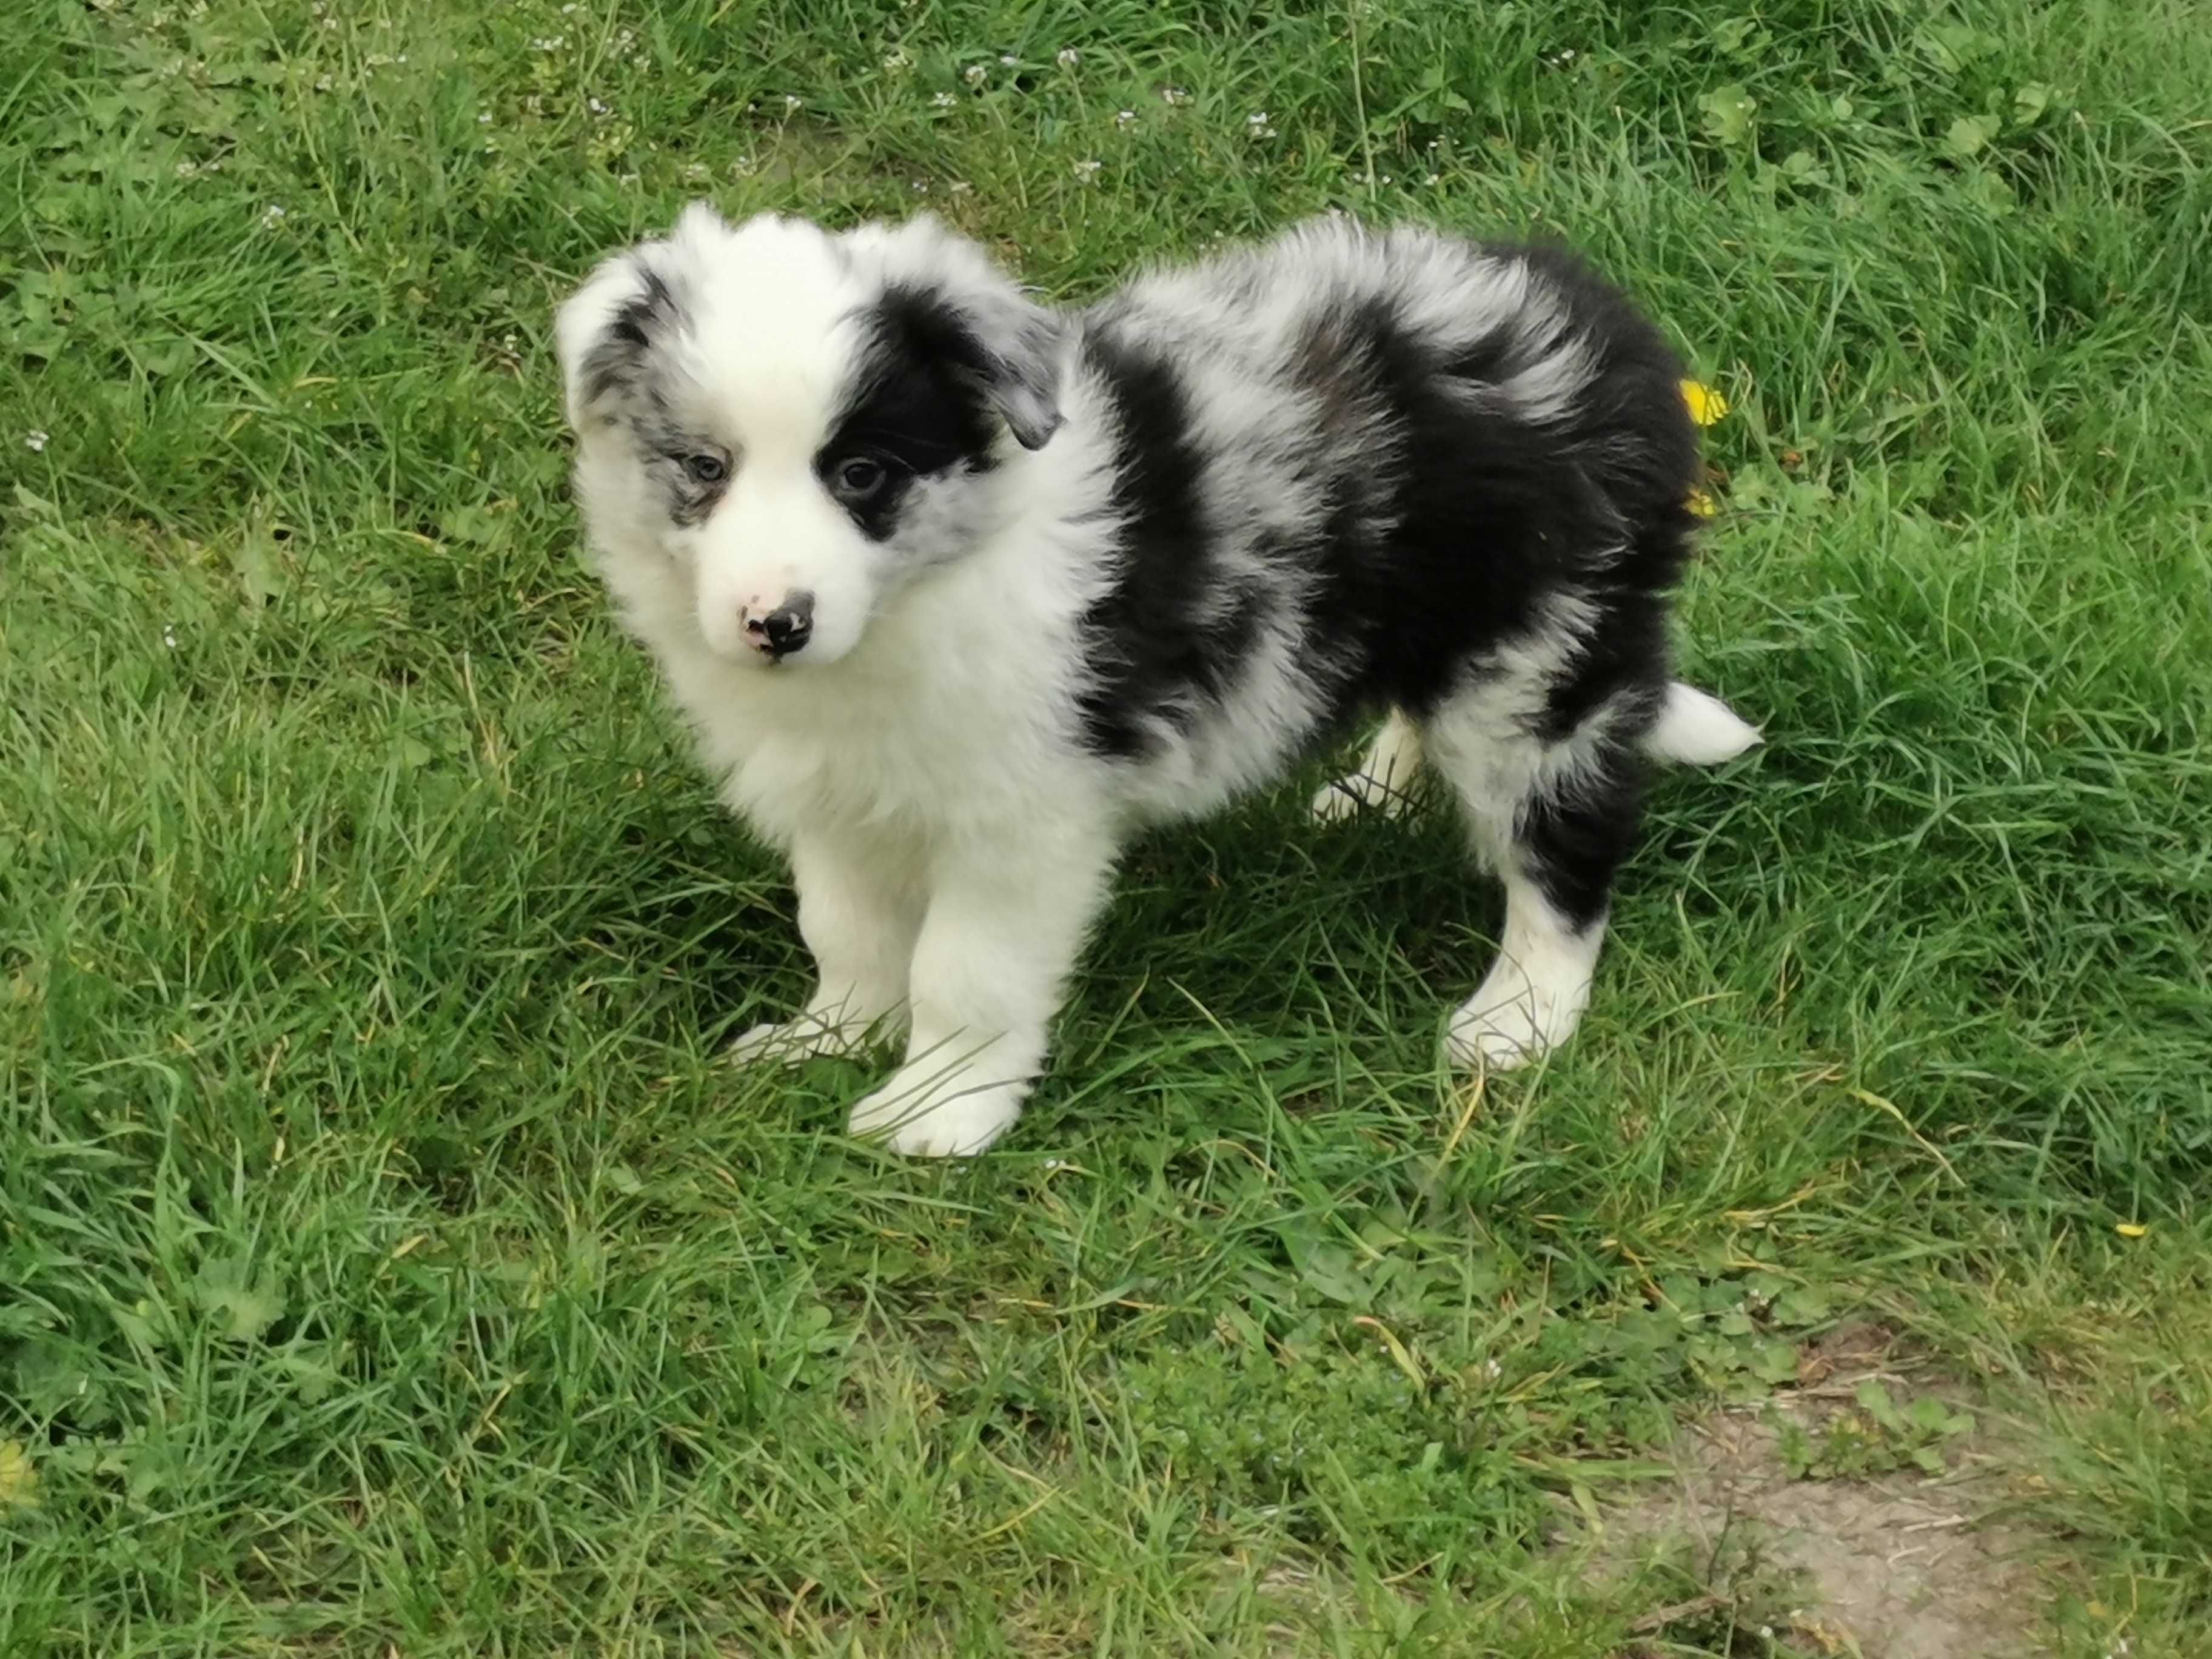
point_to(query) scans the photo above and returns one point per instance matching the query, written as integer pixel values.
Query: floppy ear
(603, 331)
(965, 309)
(1018, 345)
(606, 329)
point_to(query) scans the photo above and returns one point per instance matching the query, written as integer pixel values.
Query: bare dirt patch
(1878, 1562)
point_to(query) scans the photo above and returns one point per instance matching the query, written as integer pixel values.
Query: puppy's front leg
(1002, 933)
(859, 908)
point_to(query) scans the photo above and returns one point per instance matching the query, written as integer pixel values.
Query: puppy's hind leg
(1555, 819)
(1383, 779)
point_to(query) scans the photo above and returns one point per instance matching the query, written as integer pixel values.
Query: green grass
(386, 1265)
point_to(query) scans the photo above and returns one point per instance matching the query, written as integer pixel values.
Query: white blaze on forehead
(772, 328)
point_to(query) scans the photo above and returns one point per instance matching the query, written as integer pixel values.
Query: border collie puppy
(959, 592)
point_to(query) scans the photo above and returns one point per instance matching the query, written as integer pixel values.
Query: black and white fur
(959, 592)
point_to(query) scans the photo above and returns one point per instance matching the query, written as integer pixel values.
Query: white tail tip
(1697, 729)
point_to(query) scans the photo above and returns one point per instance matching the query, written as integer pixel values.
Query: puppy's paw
(1513, 1019)
(954, 1125)
(789, 1042)
(1350, 795)
(1384, 781)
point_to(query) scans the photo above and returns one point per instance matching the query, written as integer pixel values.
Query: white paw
(809, 1036)
(954, 1125)
(1512, 1018)
(1357, 793)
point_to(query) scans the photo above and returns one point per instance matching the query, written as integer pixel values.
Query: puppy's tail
(1697, 729)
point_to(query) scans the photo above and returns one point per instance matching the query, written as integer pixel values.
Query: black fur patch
(1571, 840)
(1164, 639)
(914, 408)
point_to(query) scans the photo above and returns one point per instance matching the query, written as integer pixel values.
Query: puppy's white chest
(928, 760)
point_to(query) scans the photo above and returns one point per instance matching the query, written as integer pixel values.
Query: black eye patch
(913, 416)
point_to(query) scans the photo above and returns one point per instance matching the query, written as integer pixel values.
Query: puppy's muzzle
(785, 629)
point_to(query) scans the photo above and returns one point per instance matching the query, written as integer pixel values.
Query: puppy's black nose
(789, 624)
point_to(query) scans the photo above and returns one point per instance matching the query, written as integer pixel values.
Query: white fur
(1535, 994)
(1698, 729)
(1384, 781)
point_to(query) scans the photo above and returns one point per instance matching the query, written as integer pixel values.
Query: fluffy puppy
(959, 592)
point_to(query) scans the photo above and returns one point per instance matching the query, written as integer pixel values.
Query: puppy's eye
(707, 469)
(858, 479)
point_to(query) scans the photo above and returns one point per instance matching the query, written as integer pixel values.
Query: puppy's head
(798, 422)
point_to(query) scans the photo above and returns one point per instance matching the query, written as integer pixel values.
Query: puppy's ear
(965, 309)
(606, 330)
(610, 327)
(1018, 367)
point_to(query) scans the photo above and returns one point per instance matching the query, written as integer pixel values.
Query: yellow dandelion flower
(1702, 503)
(2131, 1230)
(19, 1481)
(1707, 405)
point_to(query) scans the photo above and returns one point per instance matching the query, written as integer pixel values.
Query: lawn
(387, 1264)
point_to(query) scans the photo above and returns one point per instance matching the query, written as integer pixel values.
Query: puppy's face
(800, 424)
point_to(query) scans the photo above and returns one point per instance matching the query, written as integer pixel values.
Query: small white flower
(1256, 124)
(792, 100)
(34, 441)
(569, 11)
(322, 84)
(1430, 178)
(1086, 171)
(625, 40)
(596, 107)
(1174, 97)
(1055, 1163)
(1067, 58)
(1125, 118)
(960, 187)
(401, 58)
(483, 117)
(186, 169)
(943, 100)
(1008, 59)
(895, 61)
(975, 75)
(169, 635)
(271, 214)
(1493, 1370)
